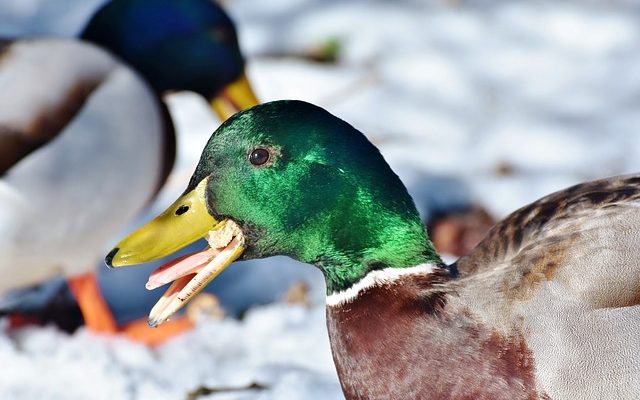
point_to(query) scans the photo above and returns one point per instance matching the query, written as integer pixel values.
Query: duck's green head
(177, 45)
(289, 178)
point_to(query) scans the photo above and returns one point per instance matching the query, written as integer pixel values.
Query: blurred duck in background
(86, 142)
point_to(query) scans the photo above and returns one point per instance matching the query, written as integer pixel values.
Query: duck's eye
(182, 209)
(259, 156)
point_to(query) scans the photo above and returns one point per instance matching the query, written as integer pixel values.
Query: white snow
(278, 346)
(452, 92)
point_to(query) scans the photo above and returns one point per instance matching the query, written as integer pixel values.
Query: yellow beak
(237, 96)
(184, 222)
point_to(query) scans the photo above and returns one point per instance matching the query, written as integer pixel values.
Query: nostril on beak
(182, 209)
(109, 258)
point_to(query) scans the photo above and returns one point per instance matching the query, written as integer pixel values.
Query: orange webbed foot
(139, 330)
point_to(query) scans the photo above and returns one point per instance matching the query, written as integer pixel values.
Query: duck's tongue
(189, 264)
(191, 273)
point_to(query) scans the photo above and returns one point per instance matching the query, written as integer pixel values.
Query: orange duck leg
(97, 316)
(99, 319)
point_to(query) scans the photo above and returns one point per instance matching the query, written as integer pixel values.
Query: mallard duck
(177, 45)
(546, 306)
(78, 125)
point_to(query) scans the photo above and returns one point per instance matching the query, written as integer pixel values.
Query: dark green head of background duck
(299, 182)
(176, 45)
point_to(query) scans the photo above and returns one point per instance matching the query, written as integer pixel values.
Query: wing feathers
(584, 238)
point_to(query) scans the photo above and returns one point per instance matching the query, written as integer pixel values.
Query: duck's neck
(391, 247)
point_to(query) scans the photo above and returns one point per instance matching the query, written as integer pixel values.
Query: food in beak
(191, 273)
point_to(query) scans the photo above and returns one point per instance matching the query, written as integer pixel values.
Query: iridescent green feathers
(326, 196)
(175, 44)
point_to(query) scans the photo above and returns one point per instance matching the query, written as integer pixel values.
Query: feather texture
(546, 306)
(88, 158)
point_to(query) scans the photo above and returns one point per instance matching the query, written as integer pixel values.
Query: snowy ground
(282, 348)
(497, 102)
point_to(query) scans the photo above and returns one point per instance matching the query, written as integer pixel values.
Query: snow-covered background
(491, 102)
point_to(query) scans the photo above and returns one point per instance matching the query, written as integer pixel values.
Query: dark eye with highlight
(259, 157)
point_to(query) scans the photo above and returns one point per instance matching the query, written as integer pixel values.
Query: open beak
(235, 97)
(184, 222)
